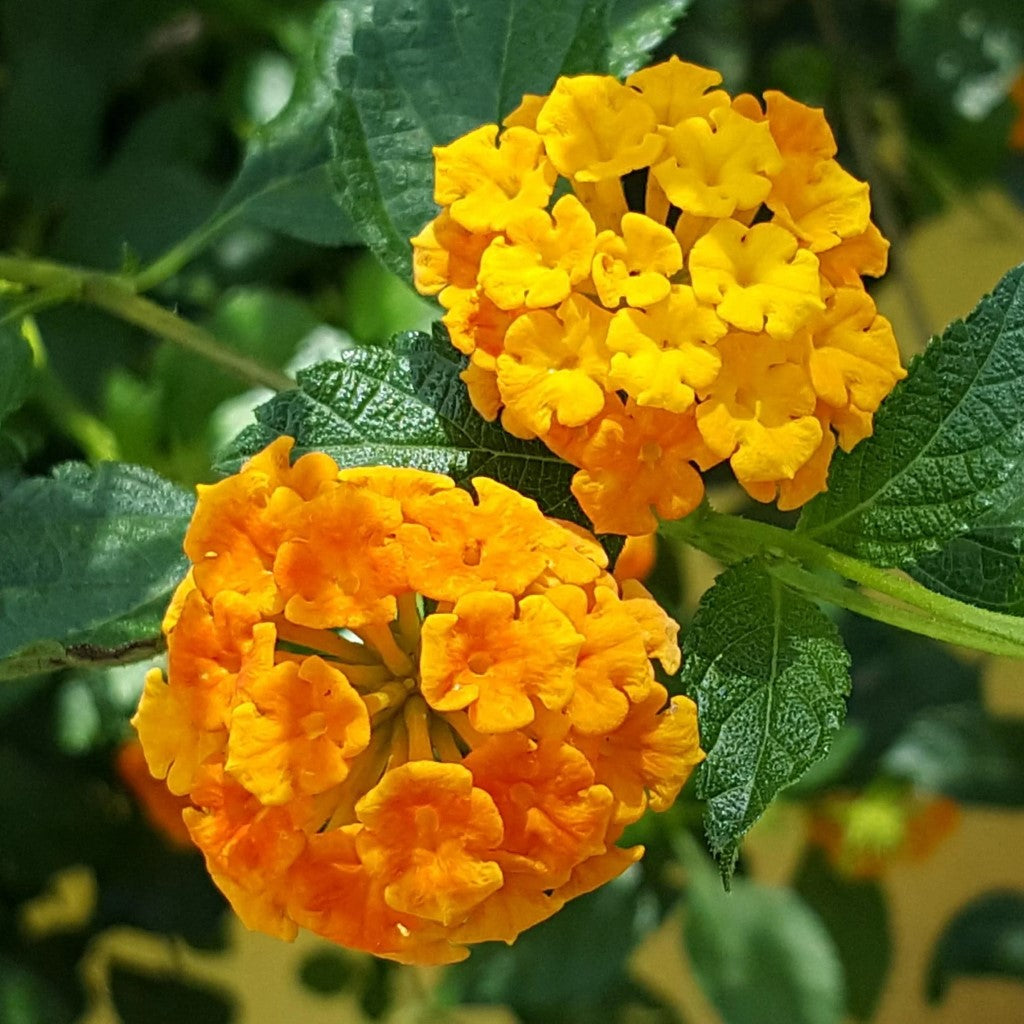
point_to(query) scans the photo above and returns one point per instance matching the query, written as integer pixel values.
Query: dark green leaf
(759, 953)
(855, 915)
(325, 972)
(637, 27)
(284, 183)
(963, 752)
(946, 442)
(424, 73)
(769, 673)
(405, 406)
(566, 965)
(896, 678)
(26, 998)
(984, 567)
(985, 938)
(85, 548)
(15, 368)
(145, 998)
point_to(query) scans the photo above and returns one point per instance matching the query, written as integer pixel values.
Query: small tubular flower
(403, 751)
(703, 217)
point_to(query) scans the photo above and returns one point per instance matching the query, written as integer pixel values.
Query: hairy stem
(884, 595)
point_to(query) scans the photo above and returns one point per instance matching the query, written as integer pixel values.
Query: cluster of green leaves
(203, 190)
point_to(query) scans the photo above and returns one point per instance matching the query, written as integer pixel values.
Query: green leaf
(637, 27)
(945, 443)
(985, 938)
(15, 368)
(422, 74)
(26, 998)
(86, 548)
(984, 567)
(569, 964)
(962, 751)
(141, 997)
(285, 183)
(854, 913)
(769, 673)
(325, 972)
(405, 406)
(760, 953)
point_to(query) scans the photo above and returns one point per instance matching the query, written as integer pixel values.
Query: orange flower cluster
(407, 720)
(653, 278)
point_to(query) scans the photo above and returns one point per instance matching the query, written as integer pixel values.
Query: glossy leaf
(637, 27)
(985, 938)
(420, 75)
(945, 443)
(984, 567)
(104, 543)
(769, 674)
(405, 406)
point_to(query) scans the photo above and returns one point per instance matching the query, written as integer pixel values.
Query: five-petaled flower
(402, 718)
(700, 270)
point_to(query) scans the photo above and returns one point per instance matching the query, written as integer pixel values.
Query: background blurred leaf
(423, 74)
(963, 752)
(769, 672)
(759, 953)
(405, 406)
(854, 913)
(26, 998)
(569, 969)
(945, 442)
(985, 938)
(284, 183)
(146, 998)
(15, 368)
(103, 543)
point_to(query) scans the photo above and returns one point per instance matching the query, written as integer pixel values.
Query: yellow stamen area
(383, 641)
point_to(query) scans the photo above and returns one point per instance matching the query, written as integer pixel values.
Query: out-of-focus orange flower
(690, 231)
(160, 806)
(864, 834)
(1017, 95)
(421, 720)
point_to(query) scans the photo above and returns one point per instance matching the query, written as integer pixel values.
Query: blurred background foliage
(887, 886)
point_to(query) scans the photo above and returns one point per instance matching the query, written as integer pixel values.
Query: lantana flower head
(403, 718)
(622, 254)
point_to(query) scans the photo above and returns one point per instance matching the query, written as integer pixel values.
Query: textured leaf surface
(637, 27)
(86, 548)
(769, 673)
(946, 442)
(985, 938)
(285, 182)
(760, 953)
(421, 74)
(15, 368)
(984, 567)
(405, 406)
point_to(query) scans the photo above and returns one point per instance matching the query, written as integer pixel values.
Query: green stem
(789, 556)
(118, 295)
(168, 264)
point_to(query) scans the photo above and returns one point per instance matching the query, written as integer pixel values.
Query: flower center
(381, 661)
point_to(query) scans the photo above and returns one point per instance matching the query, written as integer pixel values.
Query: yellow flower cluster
(407, 720)
(653, 278)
